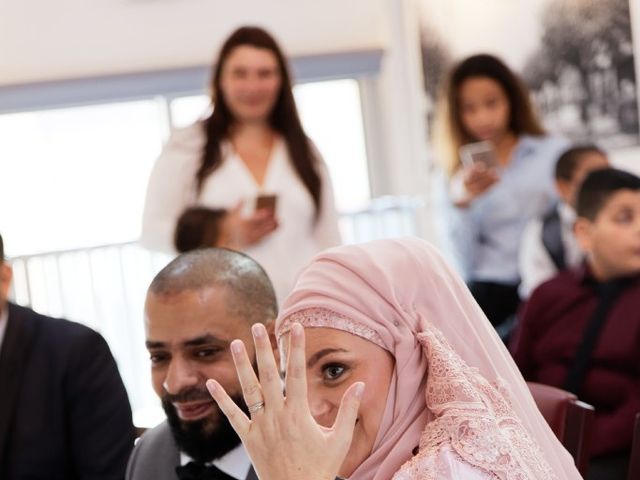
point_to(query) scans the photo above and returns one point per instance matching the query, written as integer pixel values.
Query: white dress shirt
(282, 253)
(4, 319)
(536, 265)
(235, 463)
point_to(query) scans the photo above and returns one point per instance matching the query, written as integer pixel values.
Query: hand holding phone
(478, 153)
(479, 174)
(240, 229)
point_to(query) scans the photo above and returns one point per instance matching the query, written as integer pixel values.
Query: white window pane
(187, 110)
(75, 177)
(332, 116)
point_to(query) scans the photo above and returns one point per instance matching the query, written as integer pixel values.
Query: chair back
(634, 462)
(570, 419)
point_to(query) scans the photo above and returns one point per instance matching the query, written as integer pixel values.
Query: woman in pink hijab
(393, 372)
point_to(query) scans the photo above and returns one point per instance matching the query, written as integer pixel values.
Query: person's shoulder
(181, 152)
(62, 333)
(191, 137)
(558, 287)
(157, 437)
(53, 324)
(548, 143)
(73, 332)
(155, 451)
(548, 139)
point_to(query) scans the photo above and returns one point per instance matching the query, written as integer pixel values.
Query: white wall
(43, 40)
(54, 39)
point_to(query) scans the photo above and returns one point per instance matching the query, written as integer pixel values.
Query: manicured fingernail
(236, 346)
(211, 386)
(359, 390)
(258, 330)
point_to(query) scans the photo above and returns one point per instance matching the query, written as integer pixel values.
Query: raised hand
(282, 438)
(478, 179)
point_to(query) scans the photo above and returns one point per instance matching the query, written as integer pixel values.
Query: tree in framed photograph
(577, 56)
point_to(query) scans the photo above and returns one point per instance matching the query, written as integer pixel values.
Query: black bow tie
(198, 471)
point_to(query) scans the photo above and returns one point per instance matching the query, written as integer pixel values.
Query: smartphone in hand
(266, 201)
(479, 152)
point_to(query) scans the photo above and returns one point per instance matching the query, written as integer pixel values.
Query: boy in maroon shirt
(581, 330)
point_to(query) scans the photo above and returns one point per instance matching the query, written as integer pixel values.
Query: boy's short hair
(569, 160)
(1, 249)
(599, 186)
(197, 227)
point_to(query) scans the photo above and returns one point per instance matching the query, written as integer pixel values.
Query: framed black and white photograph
(576, 56)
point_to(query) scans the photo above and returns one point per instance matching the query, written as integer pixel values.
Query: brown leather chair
(569, 418)
(634, 462)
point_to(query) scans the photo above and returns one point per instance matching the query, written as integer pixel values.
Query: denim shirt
(485, 237)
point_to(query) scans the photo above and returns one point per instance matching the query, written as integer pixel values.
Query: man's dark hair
(598, 188)
(569, 160)
(251, 294)
(1, 249)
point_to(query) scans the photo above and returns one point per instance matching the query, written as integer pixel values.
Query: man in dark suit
(64, 412)
(196, 306)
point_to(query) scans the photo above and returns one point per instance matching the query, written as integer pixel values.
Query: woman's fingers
(267, 368)
(296, 377)
(236, 416)
(256, 229)
(481, 183)
(348, 414)
(251, 389)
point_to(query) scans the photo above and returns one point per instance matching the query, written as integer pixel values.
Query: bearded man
(195, 307)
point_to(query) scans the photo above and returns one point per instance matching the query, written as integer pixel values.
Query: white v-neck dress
(283, 253)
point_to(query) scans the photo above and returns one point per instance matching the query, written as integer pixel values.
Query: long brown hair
(283, 119)
(450, 133)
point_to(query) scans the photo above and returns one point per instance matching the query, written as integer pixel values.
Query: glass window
(76, 177)
(332, 117)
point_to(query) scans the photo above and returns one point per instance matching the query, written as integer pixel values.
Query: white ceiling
(45, 40)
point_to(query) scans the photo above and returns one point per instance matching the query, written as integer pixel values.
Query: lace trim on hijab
(474, 418)
(322, 317)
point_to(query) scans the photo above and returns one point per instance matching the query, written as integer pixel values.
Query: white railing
(104, 287)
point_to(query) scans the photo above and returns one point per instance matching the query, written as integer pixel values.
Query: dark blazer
(156, 456)
(64, 411)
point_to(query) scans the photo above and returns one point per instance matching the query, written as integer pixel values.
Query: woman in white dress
(210, 174)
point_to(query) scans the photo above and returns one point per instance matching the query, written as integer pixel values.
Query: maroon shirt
(550, 330)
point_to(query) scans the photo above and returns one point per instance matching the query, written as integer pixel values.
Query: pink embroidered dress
(457, 405)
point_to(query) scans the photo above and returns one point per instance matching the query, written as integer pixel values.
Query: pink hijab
(455, 385)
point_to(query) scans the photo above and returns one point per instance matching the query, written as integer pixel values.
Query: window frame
(171, 83)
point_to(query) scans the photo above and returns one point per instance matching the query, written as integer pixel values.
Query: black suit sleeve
(99, 415)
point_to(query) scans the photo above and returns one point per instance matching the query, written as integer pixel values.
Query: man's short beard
(202, 440)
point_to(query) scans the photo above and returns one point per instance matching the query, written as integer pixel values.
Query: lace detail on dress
(322, 317)
(447, 464)
(474, 418)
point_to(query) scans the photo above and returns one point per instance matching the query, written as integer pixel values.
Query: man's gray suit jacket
(156, 456)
